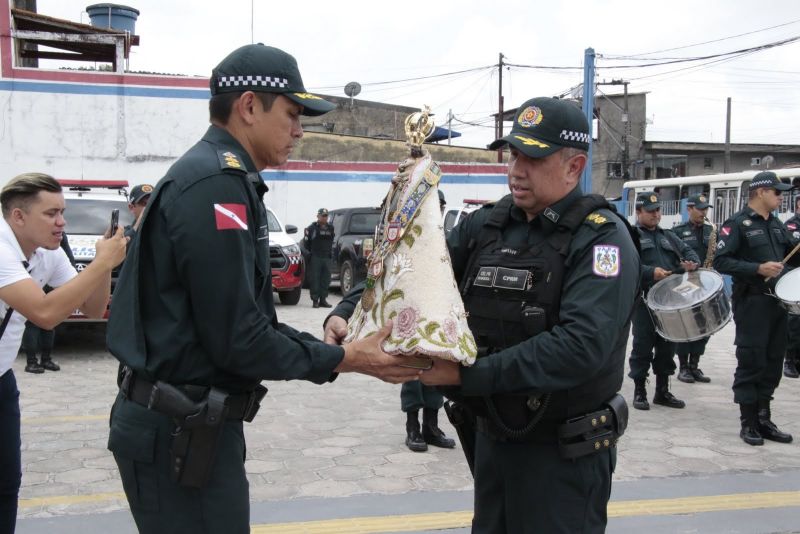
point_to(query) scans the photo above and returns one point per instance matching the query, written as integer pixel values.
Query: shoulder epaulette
(230, 160)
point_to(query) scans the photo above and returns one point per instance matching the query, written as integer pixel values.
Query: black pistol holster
(593, 432)
(463, 420)
(199, 424)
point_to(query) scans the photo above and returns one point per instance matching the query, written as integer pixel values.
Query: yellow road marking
(462, 519)
(63, 419)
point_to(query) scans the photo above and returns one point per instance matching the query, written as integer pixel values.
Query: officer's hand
(443, 373)
(770, 269)
(366, 357)
(110, 251)
(689, 265)
(335, 330)
(660, 274)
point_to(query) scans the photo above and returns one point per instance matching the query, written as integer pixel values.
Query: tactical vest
(513, 293)
(321, 239)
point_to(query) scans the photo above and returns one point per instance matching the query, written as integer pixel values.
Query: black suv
(355, 232)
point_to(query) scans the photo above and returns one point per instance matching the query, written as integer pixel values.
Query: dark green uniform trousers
(794, 333)
(645, 341)
(692, 347)
(415, 396)
(140, 440)
(527, 488)
(760, 346)
(319, 277)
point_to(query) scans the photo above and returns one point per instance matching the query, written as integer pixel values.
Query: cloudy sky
(444, 54)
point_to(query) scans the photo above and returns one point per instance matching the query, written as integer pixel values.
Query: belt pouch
(196, 440)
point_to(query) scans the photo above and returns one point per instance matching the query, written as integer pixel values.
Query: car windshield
(272, 221)
(92, 216)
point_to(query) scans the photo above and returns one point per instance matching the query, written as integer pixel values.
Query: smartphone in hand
(114, 223)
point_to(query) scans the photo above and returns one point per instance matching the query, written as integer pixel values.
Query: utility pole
(588, 111)
(449, 125)
(499, 124)
(727, 166)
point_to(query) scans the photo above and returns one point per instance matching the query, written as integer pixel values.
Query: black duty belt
(241, 406)
(578, 436)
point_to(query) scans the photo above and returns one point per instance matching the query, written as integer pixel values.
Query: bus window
(695, 189)
(744, 193)
(666, 193)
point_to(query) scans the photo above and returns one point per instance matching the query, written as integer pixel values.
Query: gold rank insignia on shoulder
(229, 160)
(596, 218)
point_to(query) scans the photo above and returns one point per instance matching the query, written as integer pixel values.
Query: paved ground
(340, 448)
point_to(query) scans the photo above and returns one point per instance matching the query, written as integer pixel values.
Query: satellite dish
(767, 161)
(352, 89)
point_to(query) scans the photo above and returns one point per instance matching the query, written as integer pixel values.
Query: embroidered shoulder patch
(230, 216)
(605, 261)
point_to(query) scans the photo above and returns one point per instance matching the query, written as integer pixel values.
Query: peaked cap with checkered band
(543, 125)
(265, 69)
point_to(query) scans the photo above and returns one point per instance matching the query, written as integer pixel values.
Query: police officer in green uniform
(696, 233)
(319, 242)
(662, 255)
(751, 248)
(548, 277)
(193, 319)
(416, 396)
(792, 358)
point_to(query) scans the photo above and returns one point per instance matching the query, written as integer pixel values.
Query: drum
(788, 291)
(689, 306)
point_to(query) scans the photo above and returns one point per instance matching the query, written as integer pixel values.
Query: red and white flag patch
(726, 231)
(230, 216)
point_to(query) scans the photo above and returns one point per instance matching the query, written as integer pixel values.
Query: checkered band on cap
(580, 137)
(252, 81)
(761, 183)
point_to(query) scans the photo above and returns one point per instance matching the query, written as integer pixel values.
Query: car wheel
(290, 297)
(346, 276)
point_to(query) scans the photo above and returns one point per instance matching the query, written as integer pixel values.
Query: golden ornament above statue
(418, 126)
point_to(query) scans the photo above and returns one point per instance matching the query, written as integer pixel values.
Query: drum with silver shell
(690, 306)
(787, 290)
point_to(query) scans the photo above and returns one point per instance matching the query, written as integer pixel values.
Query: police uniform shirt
(320, 239)
(747, 240)
(194, 302)
(695, 236)
(45, 267)
(595, 307)
(793, 225)
(661, 248)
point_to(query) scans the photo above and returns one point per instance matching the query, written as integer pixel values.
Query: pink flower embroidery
(406, 322)
(450, 330)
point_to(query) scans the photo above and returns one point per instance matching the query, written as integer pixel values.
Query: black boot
(324, 304)
(767, 428)
(315, 303)
(684, 374)
(431, 432)
(790, 365)
(663, 396)
(697, 374)
(414, 439)
(48, 363)
(640, 395)
(33, 365)
(749, 418)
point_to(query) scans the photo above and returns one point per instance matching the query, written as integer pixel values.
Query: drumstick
(783, 262)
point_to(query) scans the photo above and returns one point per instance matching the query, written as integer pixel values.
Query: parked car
(88, 213)
(352, 244)
(453, 216)
(286, 260)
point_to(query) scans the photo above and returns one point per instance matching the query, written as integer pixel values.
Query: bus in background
(727, 194)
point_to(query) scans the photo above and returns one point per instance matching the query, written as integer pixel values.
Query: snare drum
(690, 306)
(788, 291)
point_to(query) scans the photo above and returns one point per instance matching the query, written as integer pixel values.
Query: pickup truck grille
(277, 260)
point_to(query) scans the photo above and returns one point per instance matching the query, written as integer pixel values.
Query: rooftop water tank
(113, 16)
